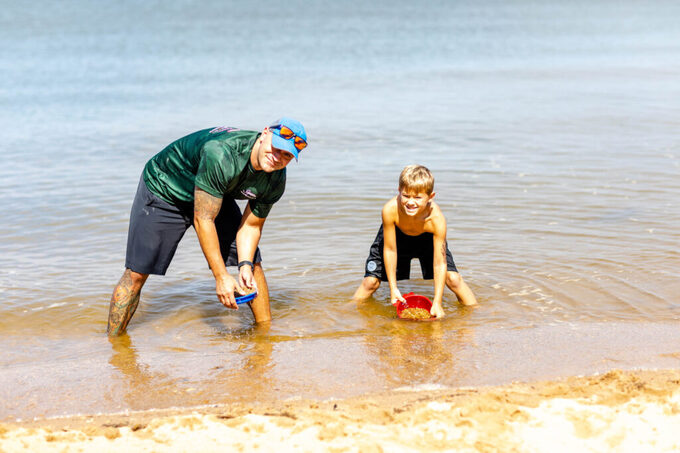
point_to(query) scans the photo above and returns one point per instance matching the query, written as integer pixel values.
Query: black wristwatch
(244, 262)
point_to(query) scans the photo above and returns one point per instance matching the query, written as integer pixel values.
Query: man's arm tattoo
(206, 207)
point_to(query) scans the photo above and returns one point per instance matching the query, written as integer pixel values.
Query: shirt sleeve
(215, 170)
(262, 207)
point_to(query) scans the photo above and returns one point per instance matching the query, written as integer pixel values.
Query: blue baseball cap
(293, 144)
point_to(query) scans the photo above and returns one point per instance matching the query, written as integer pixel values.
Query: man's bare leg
(260, 305)
(124, 301)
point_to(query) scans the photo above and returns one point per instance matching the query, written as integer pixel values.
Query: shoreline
(609, 411)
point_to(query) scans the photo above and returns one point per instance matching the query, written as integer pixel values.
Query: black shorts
(408, 247)
(157, 226)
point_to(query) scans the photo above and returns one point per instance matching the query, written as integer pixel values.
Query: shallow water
(550, 128)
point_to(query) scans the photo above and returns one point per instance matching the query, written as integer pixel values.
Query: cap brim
(286, 145)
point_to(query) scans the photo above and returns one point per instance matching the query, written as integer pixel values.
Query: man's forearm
(210, 245)
(206, 208)
(247, 240)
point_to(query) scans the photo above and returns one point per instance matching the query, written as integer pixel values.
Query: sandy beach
(551, 129)
(615, 411)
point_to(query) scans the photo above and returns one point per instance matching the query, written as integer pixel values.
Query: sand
(633, 411)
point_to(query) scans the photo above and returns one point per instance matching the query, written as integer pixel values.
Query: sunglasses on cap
(285, 132)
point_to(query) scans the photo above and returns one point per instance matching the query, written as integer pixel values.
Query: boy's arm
(390, 254)
(439, 266)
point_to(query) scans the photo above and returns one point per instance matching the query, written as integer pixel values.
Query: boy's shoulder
(436, 212)
(435, 215)
(390, 210)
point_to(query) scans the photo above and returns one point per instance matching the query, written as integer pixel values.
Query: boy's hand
(395, 296)
(437, 310)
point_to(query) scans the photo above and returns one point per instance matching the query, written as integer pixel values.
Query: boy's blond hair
(416, 178)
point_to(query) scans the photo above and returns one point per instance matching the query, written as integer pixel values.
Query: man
(194, 181)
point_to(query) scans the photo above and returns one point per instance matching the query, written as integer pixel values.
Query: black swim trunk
(156, 228)
(408, 247)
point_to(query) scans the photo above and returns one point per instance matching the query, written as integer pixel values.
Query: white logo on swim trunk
(249, 194)
(371, 266)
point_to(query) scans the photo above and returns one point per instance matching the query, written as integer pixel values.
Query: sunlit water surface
(551, 129)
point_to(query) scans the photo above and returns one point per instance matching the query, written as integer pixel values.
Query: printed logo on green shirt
(223, 129)
(249, 194)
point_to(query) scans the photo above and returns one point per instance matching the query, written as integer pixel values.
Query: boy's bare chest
(412, 227)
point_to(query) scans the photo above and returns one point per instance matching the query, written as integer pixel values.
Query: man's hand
(246, 278)
(395, 296)
(225, 287)
(437, 310)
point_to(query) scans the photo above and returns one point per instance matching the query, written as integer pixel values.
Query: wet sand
(614, 411)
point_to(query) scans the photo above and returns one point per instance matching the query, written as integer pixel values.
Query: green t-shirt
(218, 162)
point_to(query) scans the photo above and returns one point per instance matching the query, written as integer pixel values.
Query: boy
(413, 226)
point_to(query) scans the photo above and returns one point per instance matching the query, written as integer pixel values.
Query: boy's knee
(453, 279)
(371, 284)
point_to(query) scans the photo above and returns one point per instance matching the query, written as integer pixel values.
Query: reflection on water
(140, 386)
(412, 353)
(384, 352)
(418, 353)
(247, 378)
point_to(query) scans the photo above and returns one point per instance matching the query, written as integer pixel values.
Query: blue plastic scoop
(246, 298)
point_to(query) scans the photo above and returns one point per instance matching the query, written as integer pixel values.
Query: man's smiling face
(268, 158)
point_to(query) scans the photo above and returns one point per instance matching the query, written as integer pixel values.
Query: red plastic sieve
(414, 301)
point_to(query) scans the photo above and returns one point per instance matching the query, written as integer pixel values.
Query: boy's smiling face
(413, 203)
